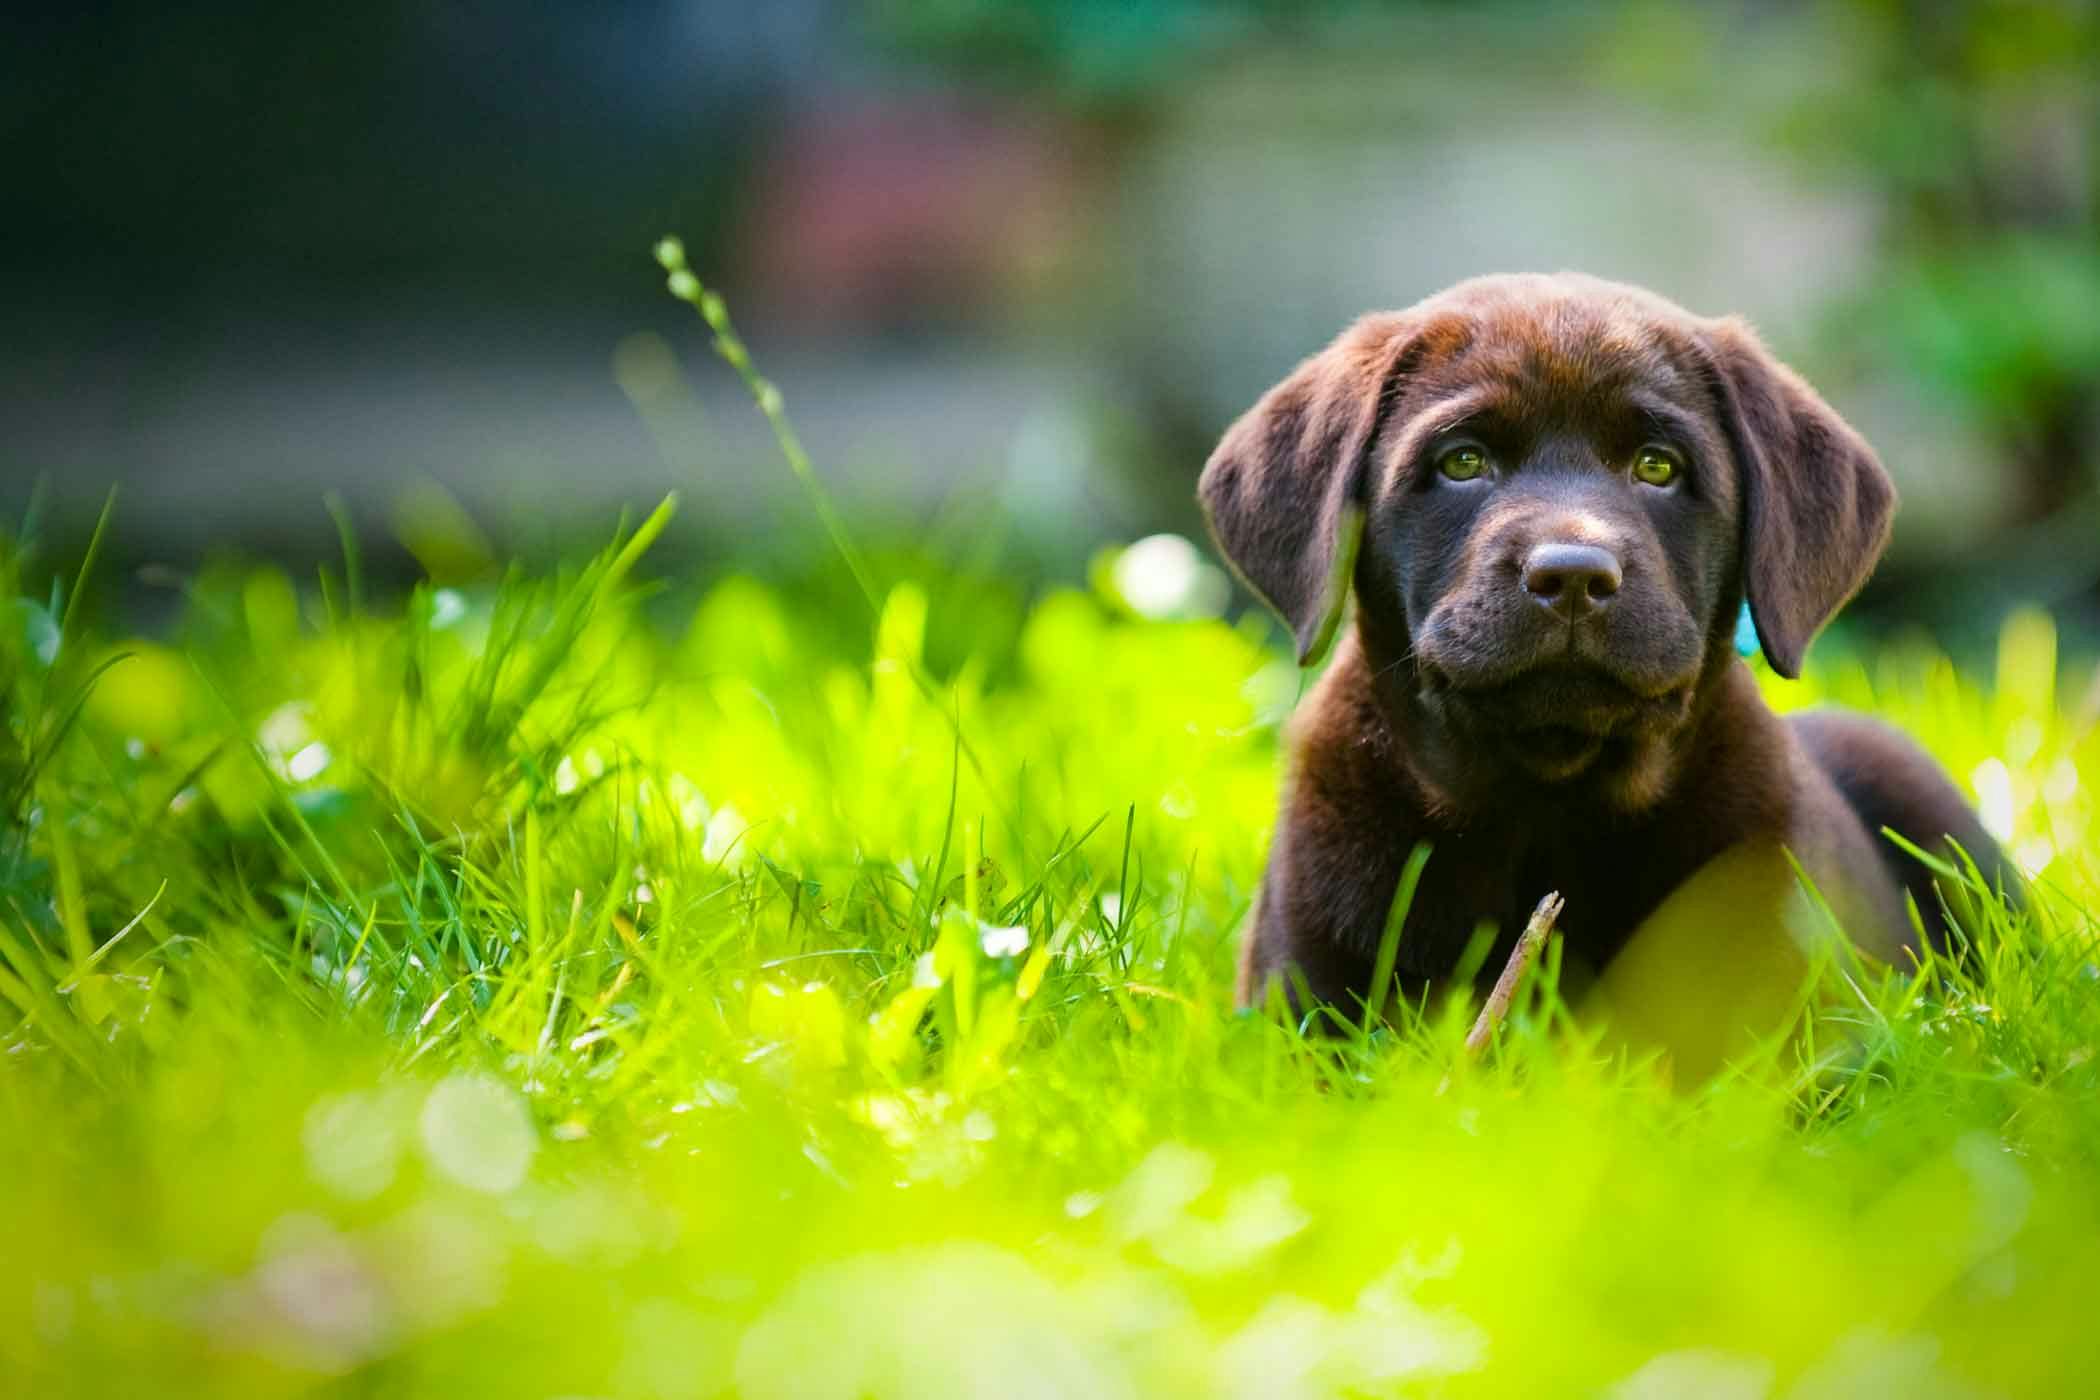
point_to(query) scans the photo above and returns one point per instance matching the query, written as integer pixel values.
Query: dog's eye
(1655, 467)
(1462, 463)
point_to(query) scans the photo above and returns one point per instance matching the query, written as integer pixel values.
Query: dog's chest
(1612, 884)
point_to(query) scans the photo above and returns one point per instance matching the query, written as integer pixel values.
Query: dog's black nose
(1572, 579)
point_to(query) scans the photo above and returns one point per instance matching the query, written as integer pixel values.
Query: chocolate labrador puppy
(1551, 496)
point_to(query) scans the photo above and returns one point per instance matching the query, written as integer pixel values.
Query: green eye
(1462, 463)
(1655, 466)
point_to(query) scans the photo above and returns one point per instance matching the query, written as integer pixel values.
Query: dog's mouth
(1557, 749)
(1557, 722)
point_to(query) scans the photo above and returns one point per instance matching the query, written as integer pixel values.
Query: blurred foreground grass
(553, 988)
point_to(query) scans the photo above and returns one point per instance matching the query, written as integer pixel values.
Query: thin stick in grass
(1521, 958)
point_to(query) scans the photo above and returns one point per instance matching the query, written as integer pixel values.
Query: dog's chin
(1555, 753)
(1559, 723)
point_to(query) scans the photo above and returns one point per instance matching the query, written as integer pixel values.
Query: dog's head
(1552, 495)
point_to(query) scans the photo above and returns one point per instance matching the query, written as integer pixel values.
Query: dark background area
(1014, 266)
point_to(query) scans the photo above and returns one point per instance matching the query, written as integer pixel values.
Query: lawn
(590, 982)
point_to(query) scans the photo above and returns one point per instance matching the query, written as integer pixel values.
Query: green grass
(565, 986)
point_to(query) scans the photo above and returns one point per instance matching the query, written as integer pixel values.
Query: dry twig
(1521, 958)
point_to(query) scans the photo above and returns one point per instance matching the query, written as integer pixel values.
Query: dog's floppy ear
(1816, 502)
(1285, 491)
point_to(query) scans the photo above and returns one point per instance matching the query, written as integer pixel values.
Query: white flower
(999, 942)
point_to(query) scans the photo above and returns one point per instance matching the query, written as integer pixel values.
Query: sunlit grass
(538, 988)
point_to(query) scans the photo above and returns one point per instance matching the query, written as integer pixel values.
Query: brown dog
(1552, 495)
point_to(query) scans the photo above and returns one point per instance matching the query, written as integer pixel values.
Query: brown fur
(1619, 753)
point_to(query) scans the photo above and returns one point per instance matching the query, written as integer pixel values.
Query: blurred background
(1014, 266)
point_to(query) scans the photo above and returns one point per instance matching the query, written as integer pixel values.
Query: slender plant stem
(670, 254)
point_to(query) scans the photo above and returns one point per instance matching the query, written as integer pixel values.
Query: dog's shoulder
(1352, 812)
